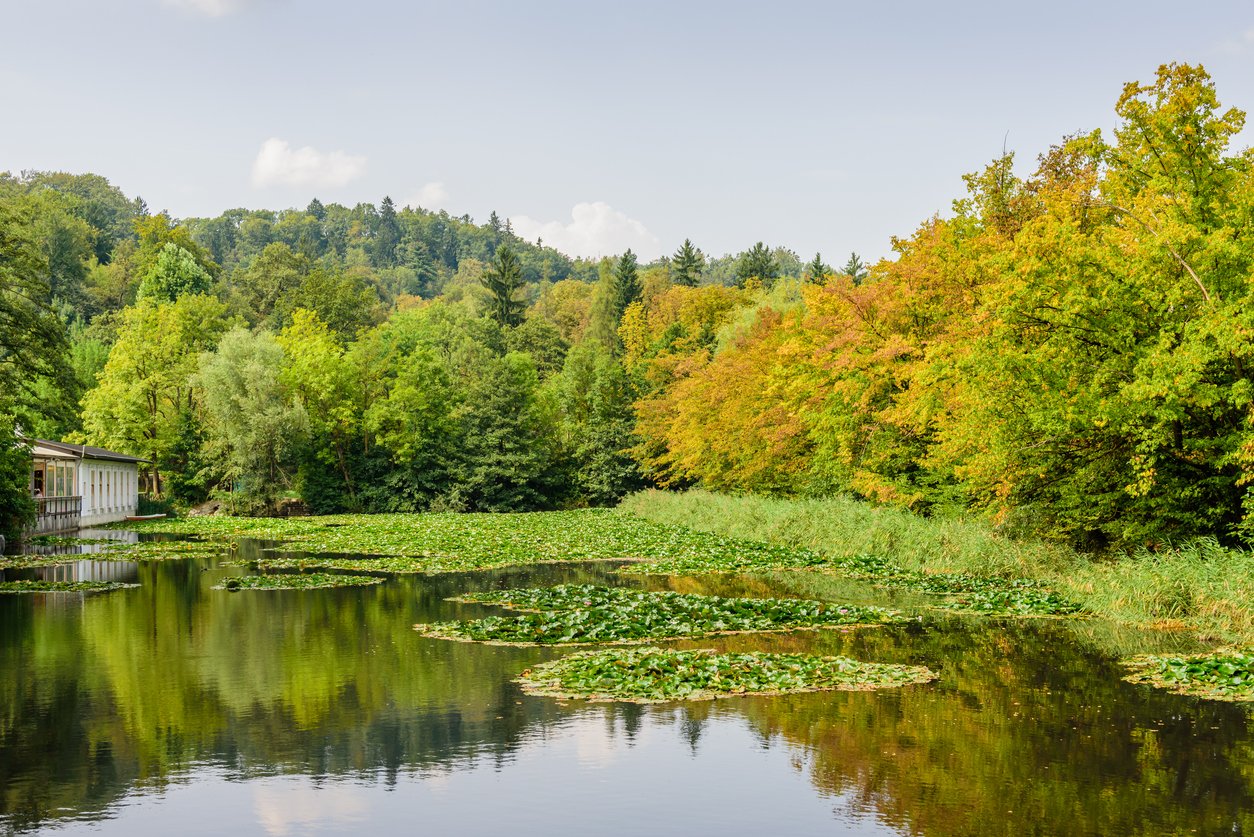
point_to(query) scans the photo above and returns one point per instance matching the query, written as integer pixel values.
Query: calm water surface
(174, 708)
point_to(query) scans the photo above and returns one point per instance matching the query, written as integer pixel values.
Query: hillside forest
(1068, 351)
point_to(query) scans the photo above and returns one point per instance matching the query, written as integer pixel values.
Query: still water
(172, 708)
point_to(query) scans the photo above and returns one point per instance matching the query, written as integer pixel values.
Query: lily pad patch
(655, 675)
(587, 614)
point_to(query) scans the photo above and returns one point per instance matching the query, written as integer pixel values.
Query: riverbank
(1199, 587)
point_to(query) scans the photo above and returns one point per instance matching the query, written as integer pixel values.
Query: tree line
(1067, 351)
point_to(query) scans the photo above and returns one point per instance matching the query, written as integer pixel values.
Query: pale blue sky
(816, 126)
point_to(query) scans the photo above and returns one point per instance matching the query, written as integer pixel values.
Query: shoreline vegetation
(1199, 586)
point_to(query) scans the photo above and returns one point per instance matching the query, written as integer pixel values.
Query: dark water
(176, 709)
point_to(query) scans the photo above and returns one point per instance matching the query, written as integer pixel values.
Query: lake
(175, 708)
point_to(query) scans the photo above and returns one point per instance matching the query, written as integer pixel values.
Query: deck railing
(57, 514)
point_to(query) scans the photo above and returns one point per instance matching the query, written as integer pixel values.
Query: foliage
(654, 675)
(1199, 586)
(295, 581)
(503, 280)
(687, 264)
(1218, 676)
(450, 542)
(253, 425)
(174, 273)
(583, 614)
(758, 262)
(17, 507)
(14, 587)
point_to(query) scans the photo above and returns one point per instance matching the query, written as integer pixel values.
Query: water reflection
(284, 712)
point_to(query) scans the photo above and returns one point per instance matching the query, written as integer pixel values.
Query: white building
(79, 485)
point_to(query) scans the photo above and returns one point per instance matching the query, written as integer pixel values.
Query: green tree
(17, 507)
(503, 280)
(687, 265)
(816, 271)
(627, 287)
(174, 273)
(595, 398)
(145, 387)
(33, 343)
(855, 269)
(253, 425)
(758, 262)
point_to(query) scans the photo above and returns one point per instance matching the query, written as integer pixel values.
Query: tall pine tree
(687, 265)
(627, 282)
(816, 271)
(503, 279)
(855, 269)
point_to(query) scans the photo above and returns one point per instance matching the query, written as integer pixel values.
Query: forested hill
(1068, 352)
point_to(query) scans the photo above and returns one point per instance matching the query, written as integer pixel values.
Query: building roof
(85, 451)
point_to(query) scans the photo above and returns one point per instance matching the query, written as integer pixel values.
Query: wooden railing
(58, 514)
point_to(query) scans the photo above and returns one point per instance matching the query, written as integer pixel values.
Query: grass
(586, 614)
(61, 586)
(295, 581)
(654, 675)
(1199, 587)
(1219, 676)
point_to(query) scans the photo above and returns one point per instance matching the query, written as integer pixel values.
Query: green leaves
(295, 581)
(61, 586)
(458, 542)
(1218, 676)
(582, 614)
(652, 675)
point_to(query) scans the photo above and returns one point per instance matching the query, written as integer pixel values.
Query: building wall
(110, 490)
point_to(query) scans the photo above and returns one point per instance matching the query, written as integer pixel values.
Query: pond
(173, 707)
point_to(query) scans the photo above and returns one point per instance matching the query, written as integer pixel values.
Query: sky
(822, 127)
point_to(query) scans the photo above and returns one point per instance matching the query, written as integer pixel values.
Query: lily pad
(1218, 676)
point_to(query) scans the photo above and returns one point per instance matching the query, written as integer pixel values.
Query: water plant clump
(295, 581)
(1216, 676)
(653, 675)
(36, 586)
(587, 614)
(160, 550)
(1013, 601)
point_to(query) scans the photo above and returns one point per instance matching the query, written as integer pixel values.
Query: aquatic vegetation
(585, 614)
(160, 550)
(1217, 676)
(1013, 601)
(295, 581)
(407, 543)
(652, 675)
(35, 586)
(65, 540)
(26, 562)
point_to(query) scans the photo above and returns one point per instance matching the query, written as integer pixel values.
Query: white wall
(110, 490)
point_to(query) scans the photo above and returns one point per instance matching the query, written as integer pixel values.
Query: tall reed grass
(1199, 586)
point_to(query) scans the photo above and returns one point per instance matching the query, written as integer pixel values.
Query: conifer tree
(758, 262)
(855, 269)
(687, 264)
(626, 282)
(816, 271)
(503, 279)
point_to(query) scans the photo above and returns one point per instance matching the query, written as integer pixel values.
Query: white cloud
(278, 164)
(595, 229)
(430, 196)
(209, 8)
